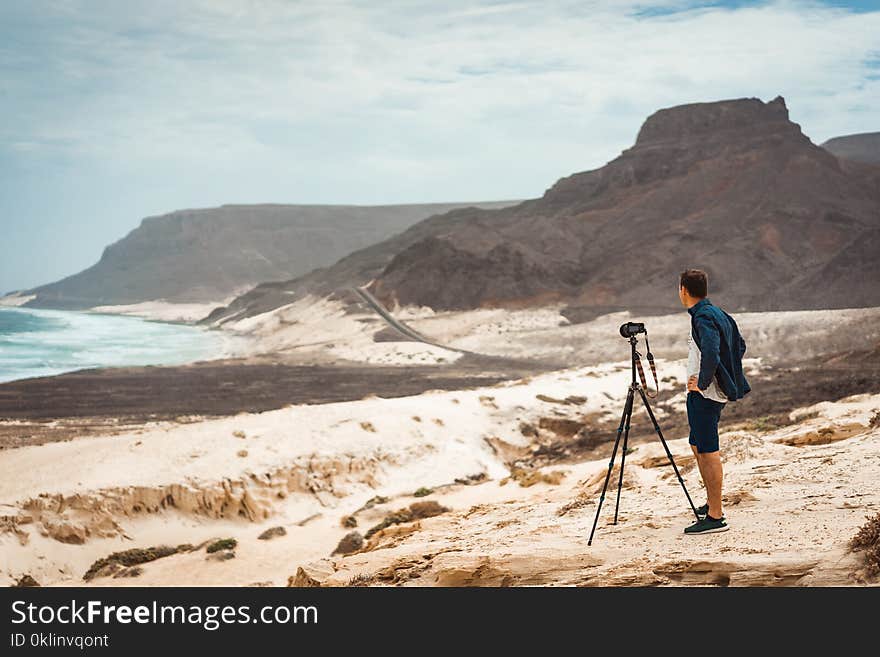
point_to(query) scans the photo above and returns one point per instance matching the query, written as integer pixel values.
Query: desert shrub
(527, 478)
(472, 479)
(416, 511)
(272, 532)
(867, 540)
(222, 544)
(25, 581)
(351, 542)
(131, 557)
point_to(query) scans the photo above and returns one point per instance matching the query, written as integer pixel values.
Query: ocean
(45, 342)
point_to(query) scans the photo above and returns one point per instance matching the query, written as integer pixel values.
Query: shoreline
(163, 311)
(78, 344)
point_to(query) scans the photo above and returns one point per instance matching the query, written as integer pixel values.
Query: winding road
(396, 324)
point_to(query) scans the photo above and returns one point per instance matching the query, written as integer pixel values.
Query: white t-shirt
(693, 369)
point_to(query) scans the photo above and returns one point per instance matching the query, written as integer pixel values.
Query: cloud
(211, 101)
(271, 81)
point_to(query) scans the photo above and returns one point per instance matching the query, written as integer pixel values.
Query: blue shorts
(703, 416)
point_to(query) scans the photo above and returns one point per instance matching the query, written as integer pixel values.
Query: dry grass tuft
(416, 511)
(867, 540)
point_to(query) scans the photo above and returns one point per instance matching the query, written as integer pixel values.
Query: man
(715, 376)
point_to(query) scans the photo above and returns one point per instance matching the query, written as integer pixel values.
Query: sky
(113, 111)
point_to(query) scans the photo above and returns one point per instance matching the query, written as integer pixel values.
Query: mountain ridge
(733, 187)
(208, 254)
(861, 147)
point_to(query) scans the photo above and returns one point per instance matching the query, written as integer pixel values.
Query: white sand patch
(413, 312)
(395, 353)
(858, 408)
(452, 423)
(466, 329)
(163, 311)
(324, 329)
(544, 333)
(16, 299)
(307, 324)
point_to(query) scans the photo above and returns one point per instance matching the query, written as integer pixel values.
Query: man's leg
(697, 456)
(692, 412)
(703, 422)
(700, 467)
(713, 475)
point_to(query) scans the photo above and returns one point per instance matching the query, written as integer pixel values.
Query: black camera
(630, 329)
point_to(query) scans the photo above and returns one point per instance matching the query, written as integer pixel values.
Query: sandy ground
(546, 333)
(323, 331)
(792, 506)
(797, 489)
(330, 331)
(117, 400)
(85, 498)
(16, 299)
(164, 311)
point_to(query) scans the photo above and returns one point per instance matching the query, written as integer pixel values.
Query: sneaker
(707, 526)
(703, 511)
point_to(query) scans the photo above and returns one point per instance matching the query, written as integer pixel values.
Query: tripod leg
(668, 453)
(623, 454)
(627, 410)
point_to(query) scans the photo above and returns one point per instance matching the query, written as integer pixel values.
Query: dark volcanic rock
(459, 279)
(351, 542)
(209, 254)
(864, 147)
(25, 581)
(704, 122)
(733, 187)
(272, 532)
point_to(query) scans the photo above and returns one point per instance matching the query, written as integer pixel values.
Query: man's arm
(742, 347)
(710, 350)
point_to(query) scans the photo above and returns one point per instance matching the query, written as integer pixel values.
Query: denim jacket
(721, 349)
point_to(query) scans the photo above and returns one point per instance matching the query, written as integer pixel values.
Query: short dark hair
(696, 282)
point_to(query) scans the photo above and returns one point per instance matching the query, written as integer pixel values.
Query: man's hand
(692, 384)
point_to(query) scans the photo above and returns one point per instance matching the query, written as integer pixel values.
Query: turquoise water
(44, 342)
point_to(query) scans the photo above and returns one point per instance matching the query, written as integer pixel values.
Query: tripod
(624, 429)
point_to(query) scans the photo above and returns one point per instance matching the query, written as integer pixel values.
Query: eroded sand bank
(795, 495)
(513, 465)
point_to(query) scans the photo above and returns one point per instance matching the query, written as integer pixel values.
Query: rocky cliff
(210, 254)
(733, 187)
